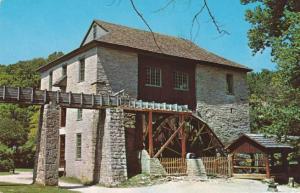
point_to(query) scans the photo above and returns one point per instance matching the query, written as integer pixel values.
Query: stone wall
(117, 70)
(227, 115)
(113, 168)
(48, 156)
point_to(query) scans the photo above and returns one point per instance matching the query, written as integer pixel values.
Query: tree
(275, 24)
(18, 123)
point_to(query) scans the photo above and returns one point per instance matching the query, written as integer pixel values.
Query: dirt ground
(185, 186)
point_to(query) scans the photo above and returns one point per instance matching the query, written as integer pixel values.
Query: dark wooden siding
(167, 93)
(245, 145)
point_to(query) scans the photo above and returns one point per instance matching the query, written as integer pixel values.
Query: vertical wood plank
(183, 137)
(150, 133)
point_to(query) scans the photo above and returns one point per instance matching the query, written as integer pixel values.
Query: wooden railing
(217, 166)
(32, 96)
(174, 166)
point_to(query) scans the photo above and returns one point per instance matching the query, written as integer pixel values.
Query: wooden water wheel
(170, 132)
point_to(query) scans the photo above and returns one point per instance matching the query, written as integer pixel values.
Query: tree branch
(145, 22)
(220, 31)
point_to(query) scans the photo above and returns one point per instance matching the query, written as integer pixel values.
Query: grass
(5, 173)
(20, 188)
(17, 170)
(70, 180)
(24, 170)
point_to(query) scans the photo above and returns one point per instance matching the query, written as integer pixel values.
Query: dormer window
(94, 32)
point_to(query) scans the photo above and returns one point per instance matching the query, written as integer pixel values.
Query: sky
(37, 28)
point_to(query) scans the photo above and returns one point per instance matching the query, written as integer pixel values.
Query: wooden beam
(267, 166)
(168, 141)
(183, 137)
(197, 135)
(150, 133)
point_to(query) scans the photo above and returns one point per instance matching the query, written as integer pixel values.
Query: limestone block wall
(81, 168)
(113, 167)
(117, 70)
(47, 166)
(227, 115)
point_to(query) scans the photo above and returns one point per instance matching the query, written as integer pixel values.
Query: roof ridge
(143, 30)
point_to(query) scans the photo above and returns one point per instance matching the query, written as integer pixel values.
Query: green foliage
(275, 96)
(18, 124)
(275, 24)
(6, 161)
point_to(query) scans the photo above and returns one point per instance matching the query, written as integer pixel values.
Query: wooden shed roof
(266, 142)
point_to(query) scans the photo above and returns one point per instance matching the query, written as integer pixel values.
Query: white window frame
(155, 79)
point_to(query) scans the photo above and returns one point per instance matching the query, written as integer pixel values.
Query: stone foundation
(113, 169)
(48, 156)
(151, 166)
(195, 168)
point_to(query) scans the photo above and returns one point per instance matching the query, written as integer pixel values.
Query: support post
(267, 166)
(183, 137)
(48, 155)
(37, 142)
(150, 133)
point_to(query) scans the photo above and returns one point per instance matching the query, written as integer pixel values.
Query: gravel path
(210, 186)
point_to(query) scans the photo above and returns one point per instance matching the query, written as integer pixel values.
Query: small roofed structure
(257, 156)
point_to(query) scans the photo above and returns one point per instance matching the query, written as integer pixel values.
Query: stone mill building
(117, 60)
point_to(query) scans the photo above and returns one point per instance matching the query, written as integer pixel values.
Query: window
(79, 114)
(50, 80)
(229, 84)
(181, 81)
(153, 76)
(81, 70)
(78, 146)
(94, 32)
(64, 70)
(63, 115)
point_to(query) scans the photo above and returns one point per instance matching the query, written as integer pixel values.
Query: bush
(6, 161)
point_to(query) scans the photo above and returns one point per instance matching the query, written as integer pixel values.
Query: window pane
(81, 70)
(229, 83)
(78, 146)
(153, 76)
(79, 114)
(181, 80)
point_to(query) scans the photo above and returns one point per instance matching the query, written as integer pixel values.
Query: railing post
(32, 95)
(4, 92)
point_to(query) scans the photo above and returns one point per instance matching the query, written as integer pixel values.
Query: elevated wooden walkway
(32, 96)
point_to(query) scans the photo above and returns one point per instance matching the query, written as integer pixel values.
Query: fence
(217, 166)
(174, 166)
